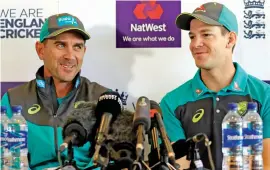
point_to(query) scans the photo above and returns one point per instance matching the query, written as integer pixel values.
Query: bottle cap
(3, 109)
(16, 109)
(252, 106)
(232, 106)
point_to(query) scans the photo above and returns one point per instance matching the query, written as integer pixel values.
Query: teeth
(65, 66)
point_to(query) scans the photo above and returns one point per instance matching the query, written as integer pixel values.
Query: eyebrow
(76, 44)
(202, 31)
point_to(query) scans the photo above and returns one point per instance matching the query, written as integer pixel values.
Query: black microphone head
(121, 129)
(155, 105)
(142, 114)
(80, 120)
(122, 139)
(109, 102)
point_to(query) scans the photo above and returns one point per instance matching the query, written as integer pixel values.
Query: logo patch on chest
(197, 117)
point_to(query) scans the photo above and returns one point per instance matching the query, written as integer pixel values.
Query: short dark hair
(224, 31)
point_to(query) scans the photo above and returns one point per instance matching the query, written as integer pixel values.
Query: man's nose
(70, 54)
(197, 42)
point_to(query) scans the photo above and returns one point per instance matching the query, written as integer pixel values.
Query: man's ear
(40, 49)
(84, 49)
(232, 37)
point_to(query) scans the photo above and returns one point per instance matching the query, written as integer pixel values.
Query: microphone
(78, 125)
(121, 141)
(179, 147)
(108, 107)
(153, 136)
(183, 147)
(157, 115)
(198, 138)
(193, 153)
(141, 123)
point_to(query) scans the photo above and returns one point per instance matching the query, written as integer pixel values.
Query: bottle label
(3, 140)
(17, 140)
(253, 137)
(232, 138)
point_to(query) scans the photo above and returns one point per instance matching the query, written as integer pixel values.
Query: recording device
(193, 152)
(76, 128)
(165, 140)
(154, 135)
(108, 107)
(121, 142)
(187, 148)
(78, 125)
(141, 123)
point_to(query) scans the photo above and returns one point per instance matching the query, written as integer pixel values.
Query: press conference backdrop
(135, 46)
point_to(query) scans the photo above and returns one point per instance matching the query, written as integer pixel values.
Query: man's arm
(265, 114)
(266, 153)
(172, 125)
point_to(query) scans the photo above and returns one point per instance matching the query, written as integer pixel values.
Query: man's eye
(206, 35)
(60, 45)
(78, 47)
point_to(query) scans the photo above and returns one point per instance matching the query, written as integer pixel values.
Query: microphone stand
(70, 163)
(194, 157)
(139, 164)
(101, 158)
(164, 163)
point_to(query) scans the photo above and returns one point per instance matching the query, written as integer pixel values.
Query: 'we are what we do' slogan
(147, 24)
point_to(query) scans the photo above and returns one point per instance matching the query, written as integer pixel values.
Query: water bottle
(18, 139)
(5, 154)
(232, 139)
(253, 138)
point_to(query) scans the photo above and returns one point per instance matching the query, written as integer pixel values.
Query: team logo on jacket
(198, 116)
(77, 103)
(242, 108)
(34, 109)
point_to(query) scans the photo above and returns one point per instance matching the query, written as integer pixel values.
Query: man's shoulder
(257, 85)
(258, 89)
(91, 89)
(21, 87)
(93, 85)
(252, 80)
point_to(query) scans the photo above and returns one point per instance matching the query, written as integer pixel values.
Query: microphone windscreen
(122, 140)
(121, 129)
(81, 119)
(142, 114)
(110, 102)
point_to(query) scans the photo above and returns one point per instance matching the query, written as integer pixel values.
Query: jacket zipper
(55, 134)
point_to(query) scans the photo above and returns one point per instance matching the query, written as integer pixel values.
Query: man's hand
(183, 162)
(266, 153)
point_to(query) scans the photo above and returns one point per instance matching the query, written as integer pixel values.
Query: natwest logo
(148, 9)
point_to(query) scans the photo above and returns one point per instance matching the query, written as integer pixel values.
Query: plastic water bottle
(253, 138)
(5, 154)
(232, 139)
(18, 139)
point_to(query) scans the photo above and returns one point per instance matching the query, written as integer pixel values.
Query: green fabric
(194, 89)
(41, 142)
(228, 19)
